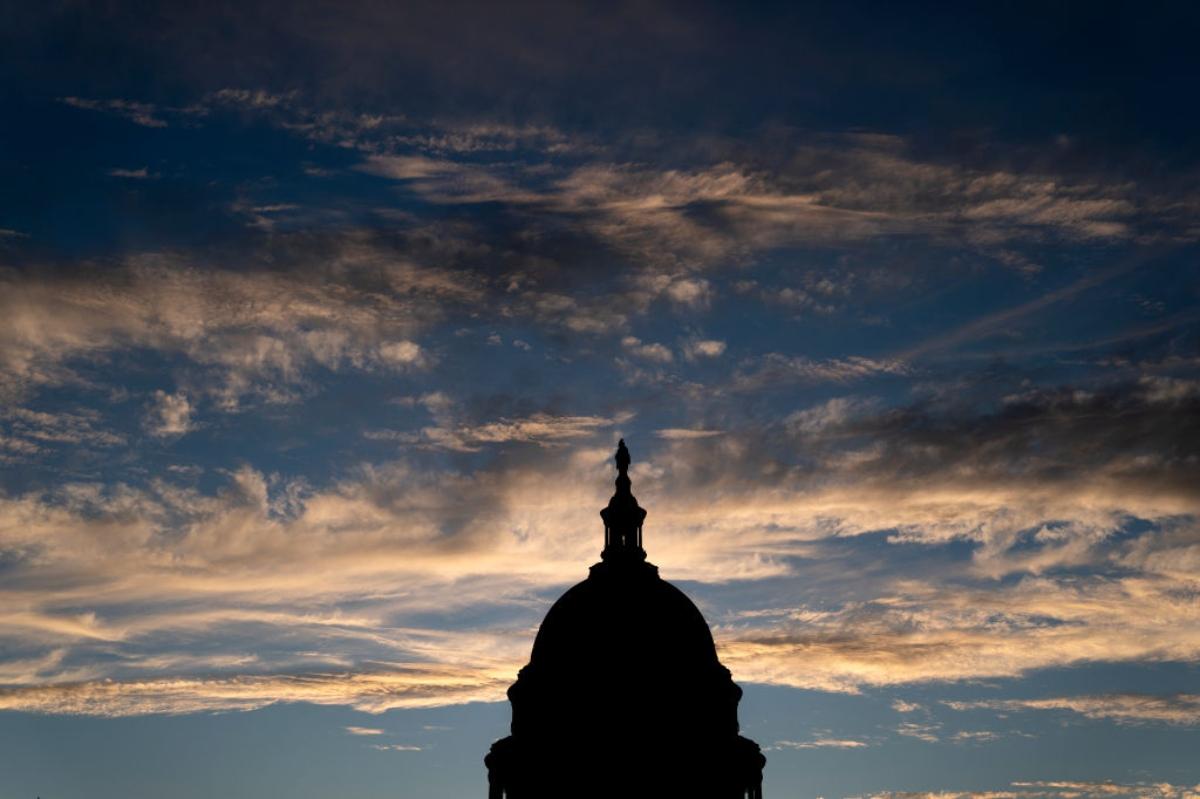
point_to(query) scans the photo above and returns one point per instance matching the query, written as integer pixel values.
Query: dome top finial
(623, 517)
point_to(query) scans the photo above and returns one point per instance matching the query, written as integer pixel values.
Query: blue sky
(319, 323)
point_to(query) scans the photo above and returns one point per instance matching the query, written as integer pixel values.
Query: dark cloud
(647, 64)
(1141, 434)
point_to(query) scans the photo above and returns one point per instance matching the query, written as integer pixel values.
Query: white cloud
(396, 747)
(401, 353)
(690, 292)
(364, 731)
(922, 732)
(1124, 708)
(820, 743)
(648, 351)
(694, 349)
(171, 415)
(679, 433)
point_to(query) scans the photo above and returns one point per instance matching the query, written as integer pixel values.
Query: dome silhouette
(619, 613)
(624, 695)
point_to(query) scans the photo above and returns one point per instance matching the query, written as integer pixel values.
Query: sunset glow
(319, 324)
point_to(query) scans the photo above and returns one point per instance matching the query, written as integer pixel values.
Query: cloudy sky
(319, 323)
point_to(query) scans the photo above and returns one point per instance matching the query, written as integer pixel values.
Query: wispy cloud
(1126, 708)
(1058, 789)
(365, 731)
(776, 369)
(411, 686)
(30, 431)
(261, 556)
(955, 634)
(820, 743)
(929, 733)
(543, 429)
(144, 114)
(682, 433)
(141, 173)
(396, 747)
(256, 332)
(997, 320)
(853, 190)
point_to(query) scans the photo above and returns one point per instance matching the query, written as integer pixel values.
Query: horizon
(319, 324)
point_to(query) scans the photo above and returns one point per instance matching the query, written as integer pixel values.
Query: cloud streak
(258, 331)
(406, 686)
(1060, 789)
(262, 559)
(1128, 708)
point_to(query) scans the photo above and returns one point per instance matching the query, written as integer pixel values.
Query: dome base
(729, 769)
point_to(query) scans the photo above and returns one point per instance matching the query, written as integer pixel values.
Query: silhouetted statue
(623, 695)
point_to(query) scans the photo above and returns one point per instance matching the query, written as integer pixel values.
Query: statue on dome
(622, 457)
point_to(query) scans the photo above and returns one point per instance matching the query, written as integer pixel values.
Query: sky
(320, 321)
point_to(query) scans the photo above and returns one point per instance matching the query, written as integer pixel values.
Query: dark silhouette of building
(623, 695)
